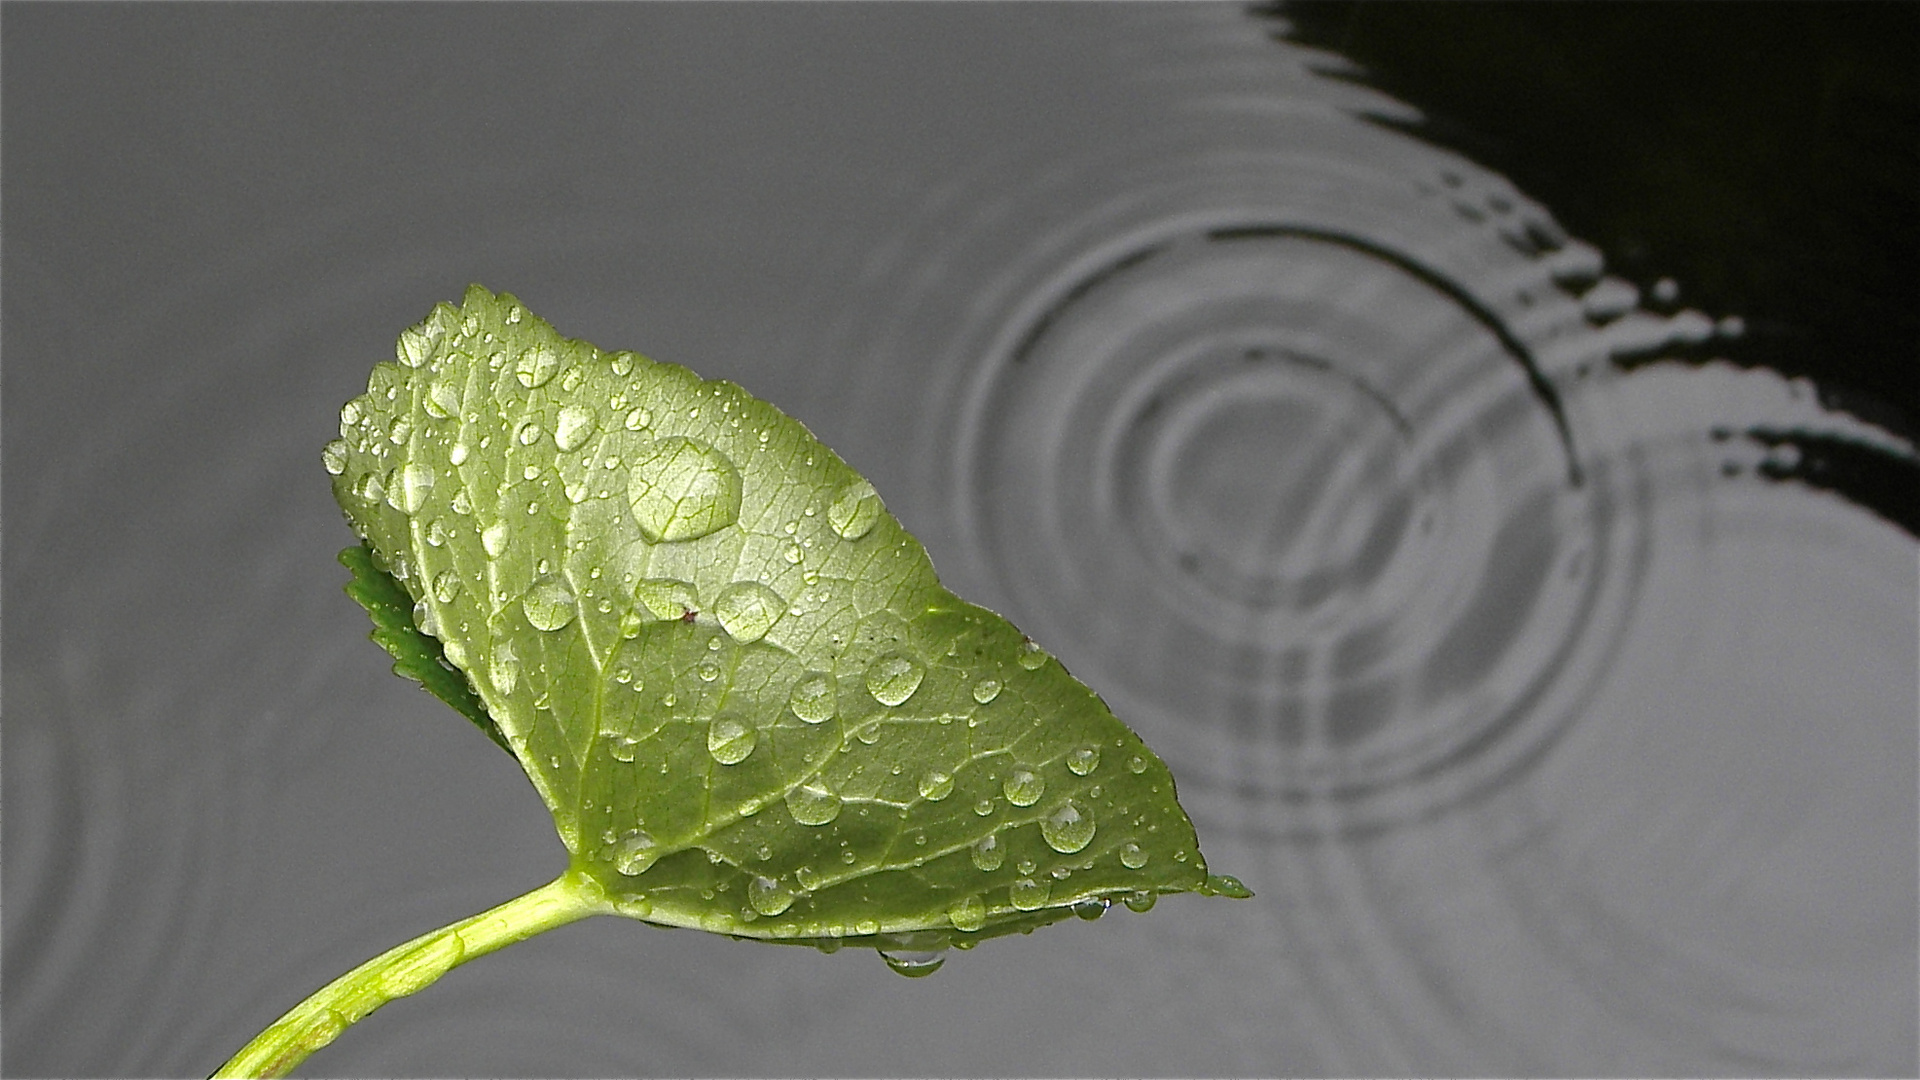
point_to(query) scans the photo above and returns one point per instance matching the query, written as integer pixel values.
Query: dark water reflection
(1452, 570)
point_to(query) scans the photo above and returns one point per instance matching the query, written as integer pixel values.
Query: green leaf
(730, 673)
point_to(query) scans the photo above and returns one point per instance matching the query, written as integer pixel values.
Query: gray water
(1552, 737)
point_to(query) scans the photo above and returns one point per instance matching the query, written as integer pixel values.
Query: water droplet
(893, 678)
(768, 896)
(1031, 656)
(633, 907)
(811, 805)
(536, 366)
(988, 853)
(634, 854)
(1141, 901)
(443, 400)
(855, 512)
(812, 698)
(1023, 787)
(968, 915)
(1136, 765)
(410, 487)
(1067, 829)
(458, 455)
(506, 668)
(493, 539)
(1225, 885)
(983, 807)
(748, 609)
(682, 489)
(1091, 908)
(548, 605)
(1029, 895)
(913, 963)
(624, 748)
(575, 427)
(1132, 856)
(413, 348)
(808, 878)
(369, 488)
(424, 618)
(667, 599)
(333, 457)
(1084, 760)
(935, 785)
(730, 741)
(986, 690)
(638, 419)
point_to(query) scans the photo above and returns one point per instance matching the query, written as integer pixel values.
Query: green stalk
(409, 967)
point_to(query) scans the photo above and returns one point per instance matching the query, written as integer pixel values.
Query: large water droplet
(682, 489)
(1141, 901)
(1029, 895)
(968, 915)
(730, 741)
(493, 539)
(988, 853)
(768, 896)
(632, 855)
(1023, 787)
(333, 457)
(1067, 829)
(411, 486)
(536, 366)
(574, 428)
(548, 605)
(855, 511)
(1084, 760)
(986, 690)
(913, 963)
(893, 678)
(935, 785)
(748, 609)
(1132, 856)
(813, 805)
(812, 698)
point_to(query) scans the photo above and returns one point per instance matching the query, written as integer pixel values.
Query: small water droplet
(536, 366)
(855, 511)
(893, 678)
(935, 785)
(446, 586)
(708, 671)
(986, 690)
(494, 538)
(333, 457)
(1132, 856)
(669, 600)
(638, 419)
(1029, 895)
(968, 915)
(505, 667)
(913, 963)
(1031, 656)
(1023, 787)
(988, 853)
(548, 605)
(632, 855)
(682, 489)
(808, 878)
(983, 807)
(411, 486)
(730, 741)
(748, 609)
(1084, 760)
(1225, 885)
(813, 805)
(575, 427)
(634, 907)
(528, 432)
(812, 699)
(1068, 829)
(458, 455)
(624, 748)
(424, 618)
(443, 400)
(768, 896)
(413, 348)
(1136, 765)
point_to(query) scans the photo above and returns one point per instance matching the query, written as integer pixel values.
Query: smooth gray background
(1697, 856)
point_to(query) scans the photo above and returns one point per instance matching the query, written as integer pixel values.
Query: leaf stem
(412, 966)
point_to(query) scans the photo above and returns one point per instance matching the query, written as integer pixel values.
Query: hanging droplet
(1084, 760)
(1091, 908)
(768, 897)
(935, 785)
(748, 609)
(986, 690)
(893, 678)
(1132, 856)
(1141, 901)
(988, 853)
(812, 699)
(855, 511)
(574, 427)
(813, 805)
(1030, 895)
(1023, 787)
(1068, 829)
(548, 605)
(968, 915)
(682, 489)
(914, 963)
(730, 741)
(424, 618)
